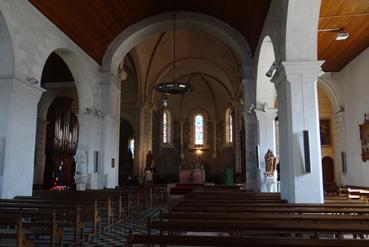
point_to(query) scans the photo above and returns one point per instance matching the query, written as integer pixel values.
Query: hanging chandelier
(174, 86)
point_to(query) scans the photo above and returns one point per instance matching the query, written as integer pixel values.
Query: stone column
(214, 154)
(296, 84)
(18, 113)
(266, 139)
(110, 102)
(40, 151)
(338, 133)
(181, 137)
(248, 90)
(89, 141)
(145, 137)
(237, 115)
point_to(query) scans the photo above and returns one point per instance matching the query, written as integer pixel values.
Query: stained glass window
(165, 127)
(230, 129)
(199, 129)
(228, 126)
(131, 147)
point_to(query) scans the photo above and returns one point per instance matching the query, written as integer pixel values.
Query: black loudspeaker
(96, 161)
(307, 151)
(344, 162)
(258, 156)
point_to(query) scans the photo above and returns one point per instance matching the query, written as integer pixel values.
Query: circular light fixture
(173, 87)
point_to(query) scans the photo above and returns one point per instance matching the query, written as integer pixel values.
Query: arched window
(166, 127)
(131, 147)
(229, 126)
(199, 129)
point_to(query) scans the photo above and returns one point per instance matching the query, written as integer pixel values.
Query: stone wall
(168, 160)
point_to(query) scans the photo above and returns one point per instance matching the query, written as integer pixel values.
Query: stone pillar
(338, 133)
(89, 142)
(296, 84)
(145, 137)
(214, 155)
(18, 113)
(181, 125)
(248, 90)
(266, 140)
(40, 151)
(237, 122)
(110, 102)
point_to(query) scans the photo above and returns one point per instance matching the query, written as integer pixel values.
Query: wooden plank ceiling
(351, 16)
(93, 24)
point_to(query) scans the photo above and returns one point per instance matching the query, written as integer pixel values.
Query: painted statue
(270, 163)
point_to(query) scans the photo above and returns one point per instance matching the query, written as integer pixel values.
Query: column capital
(339, 114)
(122, 75)
(297, 68)
(89, 114)
(21, 86)
(109, 81)
(268, 113)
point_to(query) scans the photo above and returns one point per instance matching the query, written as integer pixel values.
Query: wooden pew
(37, 223)
(238, 241)
(67, 215)
(235, 228)
(11, 228)
(315, 218)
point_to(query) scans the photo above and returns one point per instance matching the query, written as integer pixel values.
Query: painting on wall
(325, 132)
(364, 138)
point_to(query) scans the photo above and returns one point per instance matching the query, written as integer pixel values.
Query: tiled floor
(118, 236)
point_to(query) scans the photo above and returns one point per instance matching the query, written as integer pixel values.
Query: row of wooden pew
(353, 193)
(243, 218)
(71, 218)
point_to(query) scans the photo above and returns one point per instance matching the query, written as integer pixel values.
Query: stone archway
(293, 25)
(188, 21)
(60, 98)
(6, 49)
(126, 40)
(265, 107)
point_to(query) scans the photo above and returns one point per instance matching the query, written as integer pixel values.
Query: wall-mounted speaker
(307, 151)
(258, 156)
(344, 162)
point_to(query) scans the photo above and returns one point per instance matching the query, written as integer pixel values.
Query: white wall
(353, 80)
(33, 37)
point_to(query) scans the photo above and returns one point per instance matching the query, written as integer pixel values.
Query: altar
(193, 176)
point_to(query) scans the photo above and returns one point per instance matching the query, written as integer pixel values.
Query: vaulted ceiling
(93, 24)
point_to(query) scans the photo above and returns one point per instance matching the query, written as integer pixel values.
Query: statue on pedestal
(81, 174)
(270, 171)
(270, 163)
(149, 169)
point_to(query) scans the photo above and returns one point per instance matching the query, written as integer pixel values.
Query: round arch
(325, 85)
(6, 49)
(127, 39)
(265, 90)
(81, 73)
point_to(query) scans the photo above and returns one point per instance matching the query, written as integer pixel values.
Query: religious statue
(81, 158)
(81, 174)
(149, 161)
(270, 179)
(270, 163)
